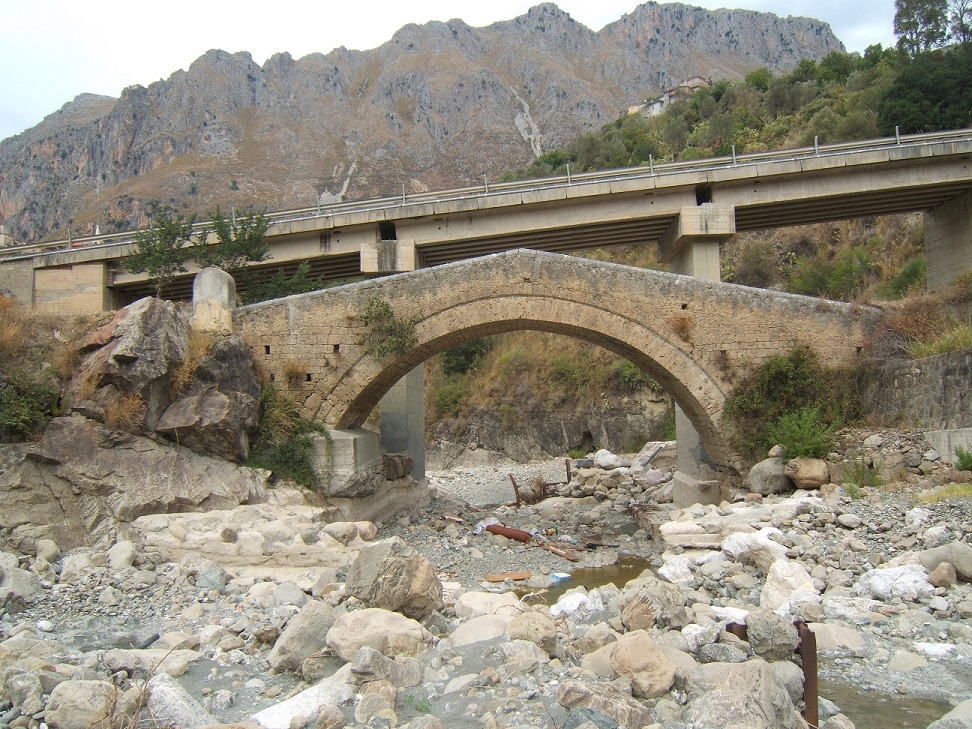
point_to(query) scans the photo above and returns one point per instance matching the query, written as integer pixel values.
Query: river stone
(768, 477)
(306, 634)
(807, 473)
(535, 627)
(87, 705)
(474, 603)
(638, 657)
(771, 636)
(739, 695)
(943, 575)
(788, 587)
(958, 554)
(755, 548)
(390, 633)
(605, 698)
(648, 601)
(958, 718)
(18, 588)
(334, 690)
(171, 705)
(391, 575)
(906, 581)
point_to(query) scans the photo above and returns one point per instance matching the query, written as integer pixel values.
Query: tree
(162, 250)
(920, 25)
(961, 21)
(239, 241)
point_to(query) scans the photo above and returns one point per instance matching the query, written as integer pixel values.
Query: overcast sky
(53, 50)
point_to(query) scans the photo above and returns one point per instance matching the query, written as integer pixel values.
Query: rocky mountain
(438, 105)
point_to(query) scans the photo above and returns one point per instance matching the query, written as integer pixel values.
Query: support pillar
(691, 247)
(403, 419)
(948, 241)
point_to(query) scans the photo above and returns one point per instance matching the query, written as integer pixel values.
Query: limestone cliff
(438, 105)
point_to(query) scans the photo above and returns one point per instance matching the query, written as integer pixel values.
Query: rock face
(424, 109)
(82, 480)
(141, 372)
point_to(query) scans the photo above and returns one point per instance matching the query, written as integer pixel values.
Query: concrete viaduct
(686, 209)
(688, 334)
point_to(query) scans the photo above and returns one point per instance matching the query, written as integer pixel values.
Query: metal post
(816, 145)
(403, 193)
(651, 165)
(485, 183)
(897, 134)
(568, 173)
(233, 211)
(734, 154)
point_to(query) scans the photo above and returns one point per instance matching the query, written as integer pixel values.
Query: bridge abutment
(948, 241)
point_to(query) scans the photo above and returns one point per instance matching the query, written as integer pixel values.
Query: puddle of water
(880, 711)
(620, 574)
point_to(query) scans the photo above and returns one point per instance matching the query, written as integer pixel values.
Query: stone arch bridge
(686, 333)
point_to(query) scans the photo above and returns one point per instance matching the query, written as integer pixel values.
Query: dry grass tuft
(199, 346)
(948, 491)
(681, 324)
(13, 331)
(126, 412)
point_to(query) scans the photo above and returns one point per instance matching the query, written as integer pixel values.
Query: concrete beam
(706, 224)
(388, 256)
(948, 241)
(74, 289)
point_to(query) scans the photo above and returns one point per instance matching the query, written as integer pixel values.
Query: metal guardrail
(112, 240)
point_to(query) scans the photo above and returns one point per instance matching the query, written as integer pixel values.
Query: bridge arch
(699, 394)
(688, 334)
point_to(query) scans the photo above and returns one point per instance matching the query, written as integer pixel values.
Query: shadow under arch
(696, 391)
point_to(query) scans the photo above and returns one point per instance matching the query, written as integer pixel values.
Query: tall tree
(961, 21)
(920, 25)
(163, 249)
(239, 240)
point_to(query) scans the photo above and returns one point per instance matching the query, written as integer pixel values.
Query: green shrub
(632, 378)
(461, 358)
(910, 279)
(283, 444)
(963, 459)
(389, 334)
(450, 396)
(568, 371)
(858, 475)
(787, 384)
(801, 433)
(26, 406)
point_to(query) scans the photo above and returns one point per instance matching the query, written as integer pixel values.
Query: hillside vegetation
(874, 260)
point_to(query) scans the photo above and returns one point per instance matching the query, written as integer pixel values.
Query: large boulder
(136, 353)
(221, 405)
(391, 575)
(807, 473)
(389, 633)
(89, 705)
(771, 636)
(82, 479)
(648, 601)
(958, 554)
(768, 477)
(306, 634)
(788, 587)
(640, 659)
(18, 587)
(739, 695)
(908, 582)
(607, 699)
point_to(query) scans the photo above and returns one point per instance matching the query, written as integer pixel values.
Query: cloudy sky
(53, 50)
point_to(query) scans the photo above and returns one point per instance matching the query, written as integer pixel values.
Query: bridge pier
(403, 419)
(691, 247)
(948, 241)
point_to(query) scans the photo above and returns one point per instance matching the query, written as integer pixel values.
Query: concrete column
(948, 241)
(213, 301)
(77, 288)
(403, 419)
(691, 247)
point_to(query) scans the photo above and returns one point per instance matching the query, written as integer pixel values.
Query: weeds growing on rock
(126, 412)
(963, 459)
(949, 491)
(199, 346)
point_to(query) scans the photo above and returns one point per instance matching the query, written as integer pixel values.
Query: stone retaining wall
(930, 394)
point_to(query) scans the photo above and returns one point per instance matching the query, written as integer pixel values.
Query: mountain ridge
(437, 105)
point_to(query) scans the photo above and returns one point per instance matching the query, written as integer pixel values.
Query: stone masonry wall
(928, 394)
